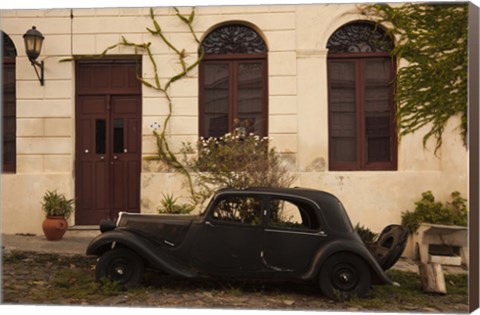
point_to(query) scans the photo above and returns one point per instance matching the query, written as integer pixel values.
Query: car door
(229, 240)
(292, 235)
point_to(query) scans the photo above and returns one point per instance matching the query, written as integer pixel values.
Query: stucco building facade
(295, 92)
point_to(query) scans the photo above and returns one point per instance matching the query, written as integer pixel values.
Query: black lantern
(33, 45)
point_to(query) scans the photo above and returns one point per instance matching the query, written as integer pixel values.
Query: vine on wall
(432, 87)
(164, 152)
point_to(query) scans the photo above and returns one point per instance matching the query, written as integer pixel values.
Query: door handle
(209, 224)
(102, 158)
(115, 157)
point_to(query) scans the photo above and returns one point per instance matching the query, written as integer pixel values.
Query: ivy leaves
(432, 50)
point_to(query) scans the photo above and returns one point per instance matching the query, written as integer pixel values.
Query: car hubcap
(119, 271)
(344, 278)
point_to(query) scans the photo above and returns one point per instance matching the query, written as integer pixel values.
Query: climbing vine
(164, 152)
(432, 85)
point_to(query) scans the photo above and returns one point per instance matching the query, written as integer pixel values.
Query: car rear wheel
(344, 276)
(122, 266)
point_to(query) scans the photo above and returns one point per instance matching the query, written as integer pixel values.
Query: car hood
(165, 229)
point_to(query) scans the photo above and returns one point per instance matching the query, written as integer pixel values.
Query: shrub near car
(271, 233)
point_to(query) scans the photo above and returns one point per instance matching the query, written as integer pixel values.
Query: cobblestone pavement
(59, 273)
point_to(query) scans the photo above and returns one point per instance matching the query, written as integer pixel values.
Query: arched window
(233, 82)
(361, 109)
(9, 108)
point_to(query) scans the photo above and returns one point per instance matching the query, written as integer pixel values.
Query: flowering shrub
(234, 161)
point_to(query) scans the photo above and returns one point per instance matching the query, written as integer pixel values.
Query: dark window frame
(361, 163)
(221, 221)
(315, 220)
(234, 54)
(233, 60)
(9, 167)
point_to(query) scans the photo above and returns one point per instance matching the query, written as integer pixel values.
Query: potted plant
(57, 209)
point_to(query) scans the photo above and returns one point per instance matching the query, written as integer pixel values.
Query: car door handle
(209, 224)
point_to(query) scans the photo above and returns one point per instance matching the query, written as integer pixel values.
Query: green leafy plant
(432, 52)
(430, 211)
(169, 205)
(367, 235)
(55, 204)
(234, 161)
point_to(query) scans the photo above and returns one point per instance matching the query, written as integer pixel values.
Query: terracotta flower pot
(54, 227)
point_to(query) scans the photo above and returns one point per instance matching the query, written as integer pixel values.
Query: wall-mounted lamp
(33, 45)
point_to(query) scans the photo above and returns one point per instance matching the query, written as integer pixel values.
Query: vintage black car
(266, 233)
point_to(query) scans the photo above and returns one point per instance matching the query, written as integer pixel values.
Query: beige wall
(296, 36)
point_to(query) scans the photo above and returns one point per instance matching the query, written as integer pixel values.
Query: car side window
(292, 214)
(239, 209)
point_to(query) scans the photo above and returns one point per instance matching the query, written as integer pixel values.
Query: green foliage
(234, 161)
(409, 296)
(55, 204)
(430, 211)
(432, 86)
(169, 205)
(367, 235)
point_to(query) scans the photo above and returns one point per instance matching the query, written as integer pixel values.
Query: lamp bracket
(40, 65)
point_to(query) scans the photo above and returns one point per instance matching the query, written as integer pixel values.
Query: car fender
(351, 246)
(142, 247)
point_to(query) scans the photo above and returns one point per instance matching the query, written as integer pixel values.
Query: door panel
(108, 137)
(292, 235)
(126, 130)
(229, 242)
(224, 249)
(93, 191)
(92, 169)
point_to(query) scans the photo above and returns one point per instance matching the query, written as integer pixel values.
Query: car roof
(318, 196)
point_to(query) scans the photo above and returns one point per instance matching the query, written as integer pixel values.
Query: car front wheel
(344, 276)
(120, 265)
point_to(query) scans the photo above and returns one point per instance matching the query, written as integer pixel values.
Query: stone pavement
(74, 242)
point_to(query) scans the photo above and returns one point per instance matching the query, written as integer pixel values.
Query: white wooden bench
(446, 235)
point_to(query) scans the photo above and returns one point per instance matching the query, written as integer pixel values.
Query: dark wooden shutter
(9, 116)
(361, 112)
(343, 113)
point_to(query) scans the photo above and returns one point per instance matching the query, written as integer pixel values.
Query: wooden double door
(108, 140)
